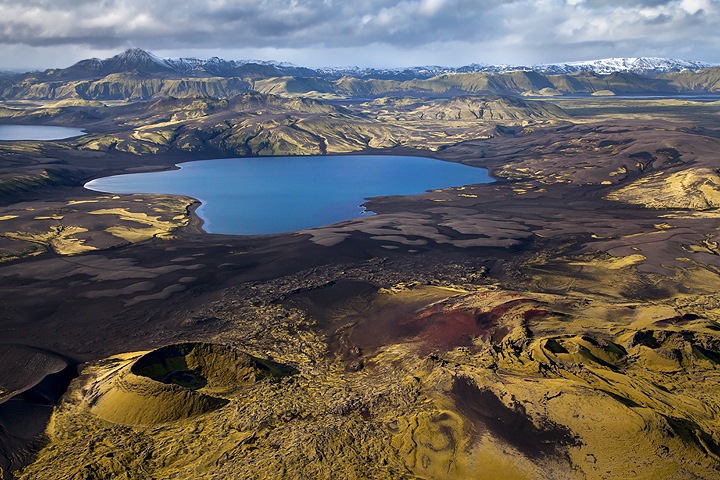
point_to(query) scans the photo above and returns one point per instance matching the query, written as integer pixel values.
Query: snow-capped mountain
(139, 60)
(640, 66)
(416, 72)
(218, 66)
(385, 73)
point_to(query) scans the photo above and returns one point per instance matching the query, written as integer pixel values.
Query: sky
(39, 34)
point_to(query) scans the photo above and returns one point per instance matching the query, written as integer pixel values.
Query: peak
(135, 52)
(637, 65)
(135, 59)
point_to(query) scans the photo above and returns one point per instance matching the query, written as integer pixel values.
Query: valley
(560, 322)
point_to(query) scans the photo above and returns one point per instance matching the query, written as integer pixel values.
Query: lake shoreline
(44, 133)
(262, 195)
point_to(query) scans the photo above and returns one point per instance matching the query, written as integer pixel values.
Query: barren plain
(561, 322)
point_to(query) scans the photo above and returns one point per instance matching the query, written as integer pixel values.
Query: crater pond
(252, 196)
(37, 132)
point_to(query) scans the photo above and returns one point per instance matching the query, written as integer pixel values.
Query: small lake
(37, 132)
(252, 196)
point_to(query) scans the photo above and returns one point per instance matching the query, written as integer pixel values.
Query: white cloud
(368, 32)
(692, 6)
(431, 7)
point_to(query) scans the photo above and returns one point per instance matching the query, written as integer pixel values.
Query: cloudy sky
(38, 34)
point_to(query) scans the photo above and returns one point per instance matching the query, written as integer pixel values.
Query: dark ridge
(647, 156)
(512, 425)
(692, 434)
(678, 320)
(672, 154)
(645, 338)
(615, 143)
(554, 346)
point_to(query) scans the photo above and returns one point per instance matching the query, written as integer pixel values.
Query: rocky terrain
(561, 322)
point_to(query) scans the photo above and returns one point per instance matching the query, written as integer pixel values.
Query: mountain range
(139, 75)
(146, 62)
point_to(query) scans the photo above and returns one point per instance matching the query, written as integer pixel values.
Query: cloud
(431, 7)
(536, 30)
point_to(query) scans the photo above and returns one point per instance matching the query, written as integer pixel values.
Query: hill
(490, 108)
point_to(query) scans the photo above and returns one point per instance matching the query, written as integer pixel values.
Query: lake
(37, 132)
(262, 195)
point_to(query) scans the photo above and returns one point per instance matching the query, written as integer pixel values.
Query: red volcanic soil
(357, 321)
(440, 327)
(437, 326)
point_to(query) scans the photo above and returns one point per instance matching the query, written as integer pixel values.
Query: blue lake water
(37, 132)
(251, 196)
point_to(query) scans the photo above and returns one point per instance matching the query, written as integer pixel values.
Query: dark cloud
(514, 28)
(661, 19)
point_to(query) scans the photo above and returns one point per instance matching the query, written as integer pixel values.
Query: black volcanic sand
(153, 293)
(31, 382)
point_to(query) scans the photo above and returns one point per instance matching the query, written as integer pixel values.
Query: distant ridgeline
(139, 75)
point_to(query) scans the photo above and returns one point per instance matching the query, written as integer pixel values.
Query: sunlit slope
(692, 189)
(174, 383)
(490, 109)
(510, 83)
(125, 86)
(705, 80)
(263, 124)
